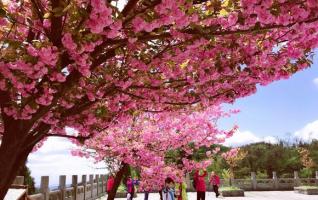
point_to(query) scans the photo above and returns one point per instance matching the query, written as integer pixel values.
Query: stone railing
(85, 190)
(254, 184)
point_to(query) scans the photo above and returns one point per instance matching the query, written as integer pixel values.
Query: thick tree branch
(148, 4)
(80, 138)
(38, 9)
(129, 7)
(56, 27)
(85, 103)
(206, 32)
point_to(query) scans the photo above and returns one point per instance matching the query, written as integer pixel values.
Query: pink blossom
(312, 3)
(59, 77)
(68, 42)
(32, 51)
(232, 19)
(46, 23)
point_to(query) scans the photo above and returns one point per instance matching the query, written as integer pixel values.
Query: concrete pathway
(273, 195)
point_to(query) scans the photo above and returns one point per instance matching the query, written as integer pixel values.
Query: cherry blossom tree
(233, 158)
(144, 140)
(306, 160)
(86, 64)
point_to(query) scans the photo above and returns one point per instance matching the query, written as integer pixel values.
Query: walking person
(181, 191)
(146, 194)
(110, 184)
(200, 186)
(181, 186)
(130, 184)
(146, 191)
(215, 182)
(168, 192)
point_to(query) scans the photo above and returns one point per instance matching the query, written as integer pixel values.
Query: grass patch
(232, 188)
(307, 187)
(121, 188)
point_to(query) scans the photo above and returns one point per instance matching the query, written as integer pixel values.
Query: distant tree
(233, 158)
(306, 161)
(260, 156)
(313, 152)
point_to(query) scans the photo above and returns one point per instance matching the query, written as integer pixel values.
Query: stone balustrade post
(275, 179)
(44, 187)
(254, 182)
(105, 186)
(91, 181)
(74, 185)
(19, 180)
(97, 182)
(62, 186)
(103, 183)
(84, 179)
(188, 181)
(231, 181)
(296, 179)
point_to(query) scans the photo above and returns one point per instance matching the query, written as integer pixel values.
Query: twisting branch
(80, 138)
(38, 9)
(57, 26)
(129, 7)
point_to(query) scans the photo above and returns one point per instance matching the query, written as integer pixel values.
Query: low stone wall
(233, 193)
(254, 184)
(91, 190)
(95, 187)
(307, 191)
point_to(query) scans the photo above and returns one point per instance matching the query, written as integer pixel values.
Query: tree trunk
(124, 169)
(231, 176)
(13, 155)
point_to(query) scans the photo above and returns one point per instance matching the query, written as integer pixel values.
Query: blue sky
(281, 108)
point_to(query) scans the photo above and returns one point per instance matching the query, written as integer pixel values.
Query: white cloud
(270, 139)
(308, 132)
(247, 137)
(315, 81)
(54, 159)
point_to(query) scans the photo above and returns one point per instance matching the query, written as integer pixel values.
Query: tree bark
(124, 170)
(13, 155)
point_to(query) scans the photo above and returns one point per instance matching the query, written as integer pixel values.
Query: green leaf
(57, 12)
(15, 44)
(57, 9)
(47, 15)
(101, 112)
(3, 13)
(67, 8)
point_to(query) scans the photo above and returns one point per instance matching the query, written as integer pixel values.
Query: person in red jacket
(110, 183)
(215, 182)
(199, 178)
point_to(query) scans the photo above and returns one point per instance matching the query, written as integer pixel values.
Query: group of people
(174, 190)
(200, 185)
(177, 191)
(130, 186)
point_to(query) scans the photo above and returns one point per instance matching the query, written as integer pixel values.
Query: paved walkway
(276, 195)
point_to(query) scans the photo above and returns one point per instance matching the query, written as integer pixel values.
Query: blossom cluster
(144, 140)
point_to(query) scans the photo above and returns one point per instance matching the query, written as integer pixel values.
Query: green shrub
(231, 188)
(261, 175)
